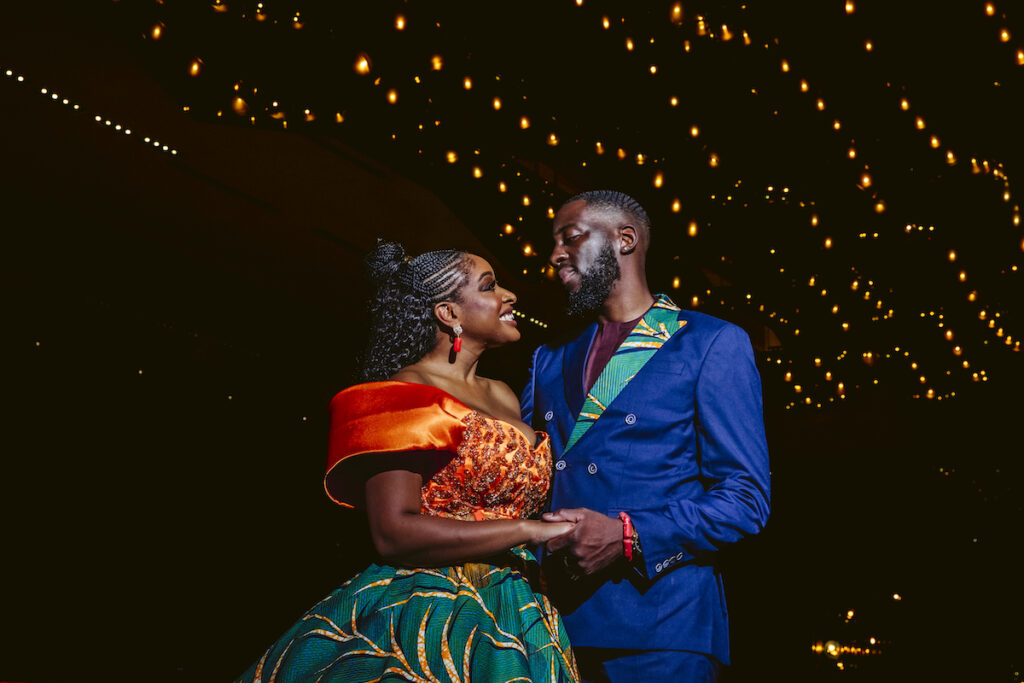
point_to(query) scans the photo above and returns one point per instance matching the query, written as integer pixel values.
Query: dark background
(175, 324)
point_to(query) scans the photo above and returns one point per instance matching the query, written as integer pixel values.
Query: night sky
(189, 189)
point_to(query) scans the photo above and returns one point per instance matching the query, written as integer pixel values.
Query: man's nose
(557, 256)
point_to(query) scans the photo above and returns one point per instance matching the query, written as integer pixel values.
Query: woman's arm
(404, 537)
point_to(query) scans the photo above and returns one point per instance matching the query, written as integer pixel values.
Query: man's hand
(595, 542)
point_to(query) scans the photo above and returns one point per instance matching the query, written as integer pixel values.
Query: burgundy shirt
(606, 342)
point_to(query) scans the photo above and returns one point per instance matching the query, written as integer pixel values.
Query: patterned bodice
(496, 474)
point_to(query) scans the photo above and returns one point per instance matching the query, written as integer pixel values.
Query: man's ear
(628, 239)
(447, 313)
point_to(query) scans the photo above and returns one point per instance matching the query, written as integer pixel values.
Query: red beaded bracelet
(627, 535)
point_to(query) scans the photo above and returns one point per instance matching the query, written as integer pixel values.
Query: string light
(554, 133)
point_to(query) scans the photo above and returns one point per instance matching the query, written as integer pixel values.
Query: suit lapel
(574, 361)
(660, 323)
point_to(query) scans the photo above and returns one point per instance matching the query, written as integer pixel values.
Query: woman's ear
(447, 313)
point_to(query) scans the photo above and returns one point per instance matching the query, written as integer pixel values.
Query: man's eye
(569, 239)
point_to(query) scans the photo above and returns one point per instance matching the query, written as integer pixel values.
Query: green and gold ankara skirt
(474, 622)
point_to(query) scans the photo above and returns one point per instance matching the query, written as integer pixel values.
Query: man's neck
(626, 302)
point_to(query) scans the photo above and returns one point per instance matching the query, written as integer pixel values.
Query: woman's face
(485, 308)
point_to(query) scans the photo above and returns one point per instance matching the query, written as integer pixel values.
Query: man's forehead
(581, 214)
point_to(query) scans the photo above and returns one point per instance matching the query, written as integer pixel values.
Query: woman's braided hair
(403, 327)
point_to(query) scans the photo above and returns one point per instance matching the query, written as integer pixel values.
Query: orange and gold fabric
(496, 472)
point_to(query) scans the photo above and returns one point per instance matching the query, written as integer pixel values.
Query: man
(656, 425)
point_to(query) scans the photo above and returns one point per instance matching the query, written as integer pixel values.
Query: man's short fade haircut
(613, 199)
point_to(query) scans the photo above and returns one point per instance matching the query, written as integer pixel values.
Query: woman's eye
(491, 286)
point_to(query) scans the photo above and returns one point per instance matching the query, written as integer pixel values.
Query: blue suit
(682, 450)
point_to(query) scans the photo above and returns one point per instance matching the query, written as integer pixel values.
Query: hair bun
(384, 261)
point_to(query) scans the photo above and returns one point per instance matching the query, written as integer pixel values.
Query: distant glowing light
(676, 15)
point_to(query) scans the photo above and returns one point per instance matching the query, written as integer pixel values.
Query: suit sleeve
(526, 400)
(733, 461)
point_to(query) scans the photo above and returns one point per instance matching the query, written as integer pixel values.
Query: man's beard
(596, 284)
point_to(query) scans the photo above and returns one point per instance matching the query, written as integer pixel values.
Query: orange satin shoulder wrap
(389, 417)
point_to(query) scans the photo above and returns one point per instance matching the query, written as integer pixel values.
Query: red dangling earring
(457, 344)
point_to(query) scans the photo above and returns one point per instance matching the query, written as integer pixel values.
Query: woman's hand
(542, 532)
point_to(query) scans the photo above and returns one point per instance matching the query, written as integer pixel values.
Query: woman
(449, 476)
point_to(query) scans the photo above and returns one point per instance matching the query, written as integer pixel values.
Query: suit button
(560, 465)
(549, 415)
(631, 419)
(592, 468)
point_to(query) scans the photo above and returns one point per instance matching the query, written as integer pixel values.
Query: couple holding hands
(636, 451)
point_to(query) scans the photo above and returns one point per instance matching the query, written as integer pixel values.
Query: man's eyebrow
(564, 228)
(484, 274)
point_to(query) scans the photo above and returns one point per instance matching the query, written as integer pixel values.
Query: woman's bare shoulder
(503, 395)
(410, 374)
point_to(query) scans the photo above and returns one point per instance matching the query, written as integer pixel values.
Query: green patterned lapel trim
(653, 330)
